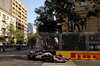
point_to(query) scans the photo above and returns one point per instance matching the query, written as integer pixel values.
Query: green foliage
(11, 33)
(11, 30)
(2, 38)
(60, 8)
(19, 35)
(44, 22)
(96, 7)
(32, 39)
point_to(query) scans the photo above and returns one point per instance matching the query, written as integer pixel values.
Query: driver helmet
(60, 55)
(41, 52)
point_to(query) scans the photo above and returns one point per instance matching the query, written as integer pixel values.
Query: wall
(92, 55)
(6, 5)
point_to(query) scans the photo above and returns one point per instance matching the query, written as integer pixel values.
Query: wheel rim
(29, 57)
(51, 59)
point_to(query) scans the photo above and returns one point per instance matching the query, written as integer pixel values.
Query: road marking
(95, 60)
(68, 63)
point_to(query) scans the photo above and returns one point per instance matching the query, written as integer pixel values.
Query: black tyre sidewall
(51, 57)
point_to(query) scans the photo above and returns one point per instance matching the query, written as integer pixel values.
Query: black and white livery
(46, 56)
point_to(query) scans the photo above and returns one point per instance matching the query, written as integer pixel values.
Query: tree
(2, 38)
(15, 34)
(62, 9)
(11, 33)
(32, 39)
(19, 36)
(96, 9)
(43, 21)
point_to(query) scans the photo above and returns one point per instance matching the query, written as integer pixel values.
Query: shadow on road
(12, 58)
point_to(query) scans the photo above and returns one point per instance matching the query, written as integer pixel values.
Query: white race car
(46, 56)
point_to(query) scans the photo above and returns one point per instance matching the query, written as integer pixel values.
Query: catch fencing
(69, 41)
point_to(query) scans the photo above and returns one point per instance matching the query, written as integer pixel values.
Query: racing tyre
(29, 57)
(51, 59)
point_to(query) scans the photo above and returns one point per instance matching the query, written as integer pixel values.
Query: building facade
(31, 28)
(82, 8)
(92, 25)
(6, 20)
(19, 11)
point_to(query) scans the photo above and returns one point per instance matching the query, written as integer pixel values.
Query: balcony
(25, 26)
(25, 29)
(14, 11)
(25, 32)
(3, 33)
(6, 35)
(59, 24)
(11, 23)
(3, 19)
(3, 26)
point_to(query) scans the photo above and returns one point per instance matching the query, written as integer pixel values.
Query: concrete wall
(93, 24)
(79, 7)
(6, 5)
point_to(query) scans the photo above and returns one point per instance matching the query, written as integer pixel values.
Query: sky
(31, 5)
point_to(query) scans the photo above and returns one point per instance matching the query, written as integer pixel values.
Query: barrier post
(39, 43)
(60, 42)
(87, 42)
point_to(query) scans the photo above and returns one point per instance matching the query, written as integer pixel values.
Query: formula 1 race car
(59, 58)
(46, 56)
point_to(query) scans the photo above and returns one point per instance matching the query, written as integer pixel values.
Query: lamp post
(72, 21)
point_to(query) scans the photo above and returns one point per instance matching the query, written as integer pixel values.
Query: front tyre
(51, 59)
(29, 57)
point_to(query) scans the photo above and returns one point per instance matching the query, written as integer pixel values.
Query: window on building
(13, 3)
(16, 6)
(3, 24)
(19, 28)
(4, 16)
(14, 21)
(83, 24)
(22, 25)
(0, 14)
(19, 8)
(83, 2)
(3, 31)
(19, 24)
(7, 17)
(74, 27)
(10, 19)
(84, 27)
(91, 38)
